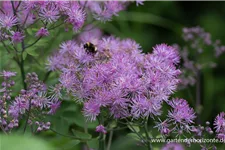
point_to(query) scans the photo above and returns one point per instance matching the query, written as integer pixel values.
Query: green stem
(110, 140)
(69, 136)
(46, 76)
(101, 135)
(33, 43)
(101, 141)
(28, 116)
(2, 128)
(198, 96)
(148, 143)
(86, 131)
(22, 67)
(139, 135)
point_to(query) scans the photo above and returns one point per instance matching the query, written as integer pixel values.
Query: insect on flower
(90, 48)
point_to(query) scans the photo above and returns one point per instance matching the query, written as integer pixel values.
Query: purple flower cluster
(118, 77)
(180, 118)
(5, 96)
(16, 16)
(181, 113)
(33, 103)
(198, 42)
(219, 124)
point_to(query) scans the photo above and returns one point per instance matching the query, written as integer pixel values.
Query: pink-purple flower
(17, 37)
(118, 77)
(181, 113)
(101, 129)
(219, 125)
(8, 21)
(42, 32)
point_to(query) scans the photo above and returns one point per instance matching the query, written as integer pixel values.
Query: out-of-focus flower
(49, 14)
(198, 41)
(42, 32)
(31, 100)
(76, 17)
(173, 146)
(219, 124)
(7, 74)
(90, 34)
(8, 21)
(17, 37)
(101, 129)
(181, 112)
(139, 2)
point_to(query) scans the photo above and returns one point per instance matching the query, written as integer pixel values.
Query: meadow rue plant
(120, 82)
(25, 13)
(199, 53)
(116, 83)
(198, 42)
(118, 77)
(33, 104)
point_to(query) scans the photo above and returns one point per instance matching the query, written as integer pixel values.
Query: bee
(90, 48)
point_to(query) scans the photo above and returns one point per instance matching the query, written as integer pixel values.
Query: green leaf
(16, 142)
(24, 55)
(81, 135)
(134, 136)
(71, 144)
(134, 128)
(32, 52)
(80, 121)
(29, 31)
(42, 42)
(11, 55)
(93, 143)
(113, 124)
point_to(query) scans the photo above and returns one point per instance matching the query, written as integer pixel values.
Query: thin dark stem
(198, 95)
(14, 58)
(22, 67)
(14, 10)
(116, 129)
(28, 116)
(51, 28)
(16, 49)
(2, 11)
(139, 135)
(18, 5)
(101, 135)
(69, 136)
(21, 64)
(101, 141)
(110, 140)
(5, 47)
(86, 131)
(85, 4)
(2, 128)
(190, 95)
(33, 43)
(25, 20)
(23, 73)
(47, 75)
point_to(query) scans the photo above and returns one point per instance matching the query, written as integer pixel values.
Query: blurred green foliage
(150, 24)
(16, 142)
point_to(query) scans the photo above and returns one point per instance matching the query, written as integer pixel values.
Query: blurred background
(150, 24)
